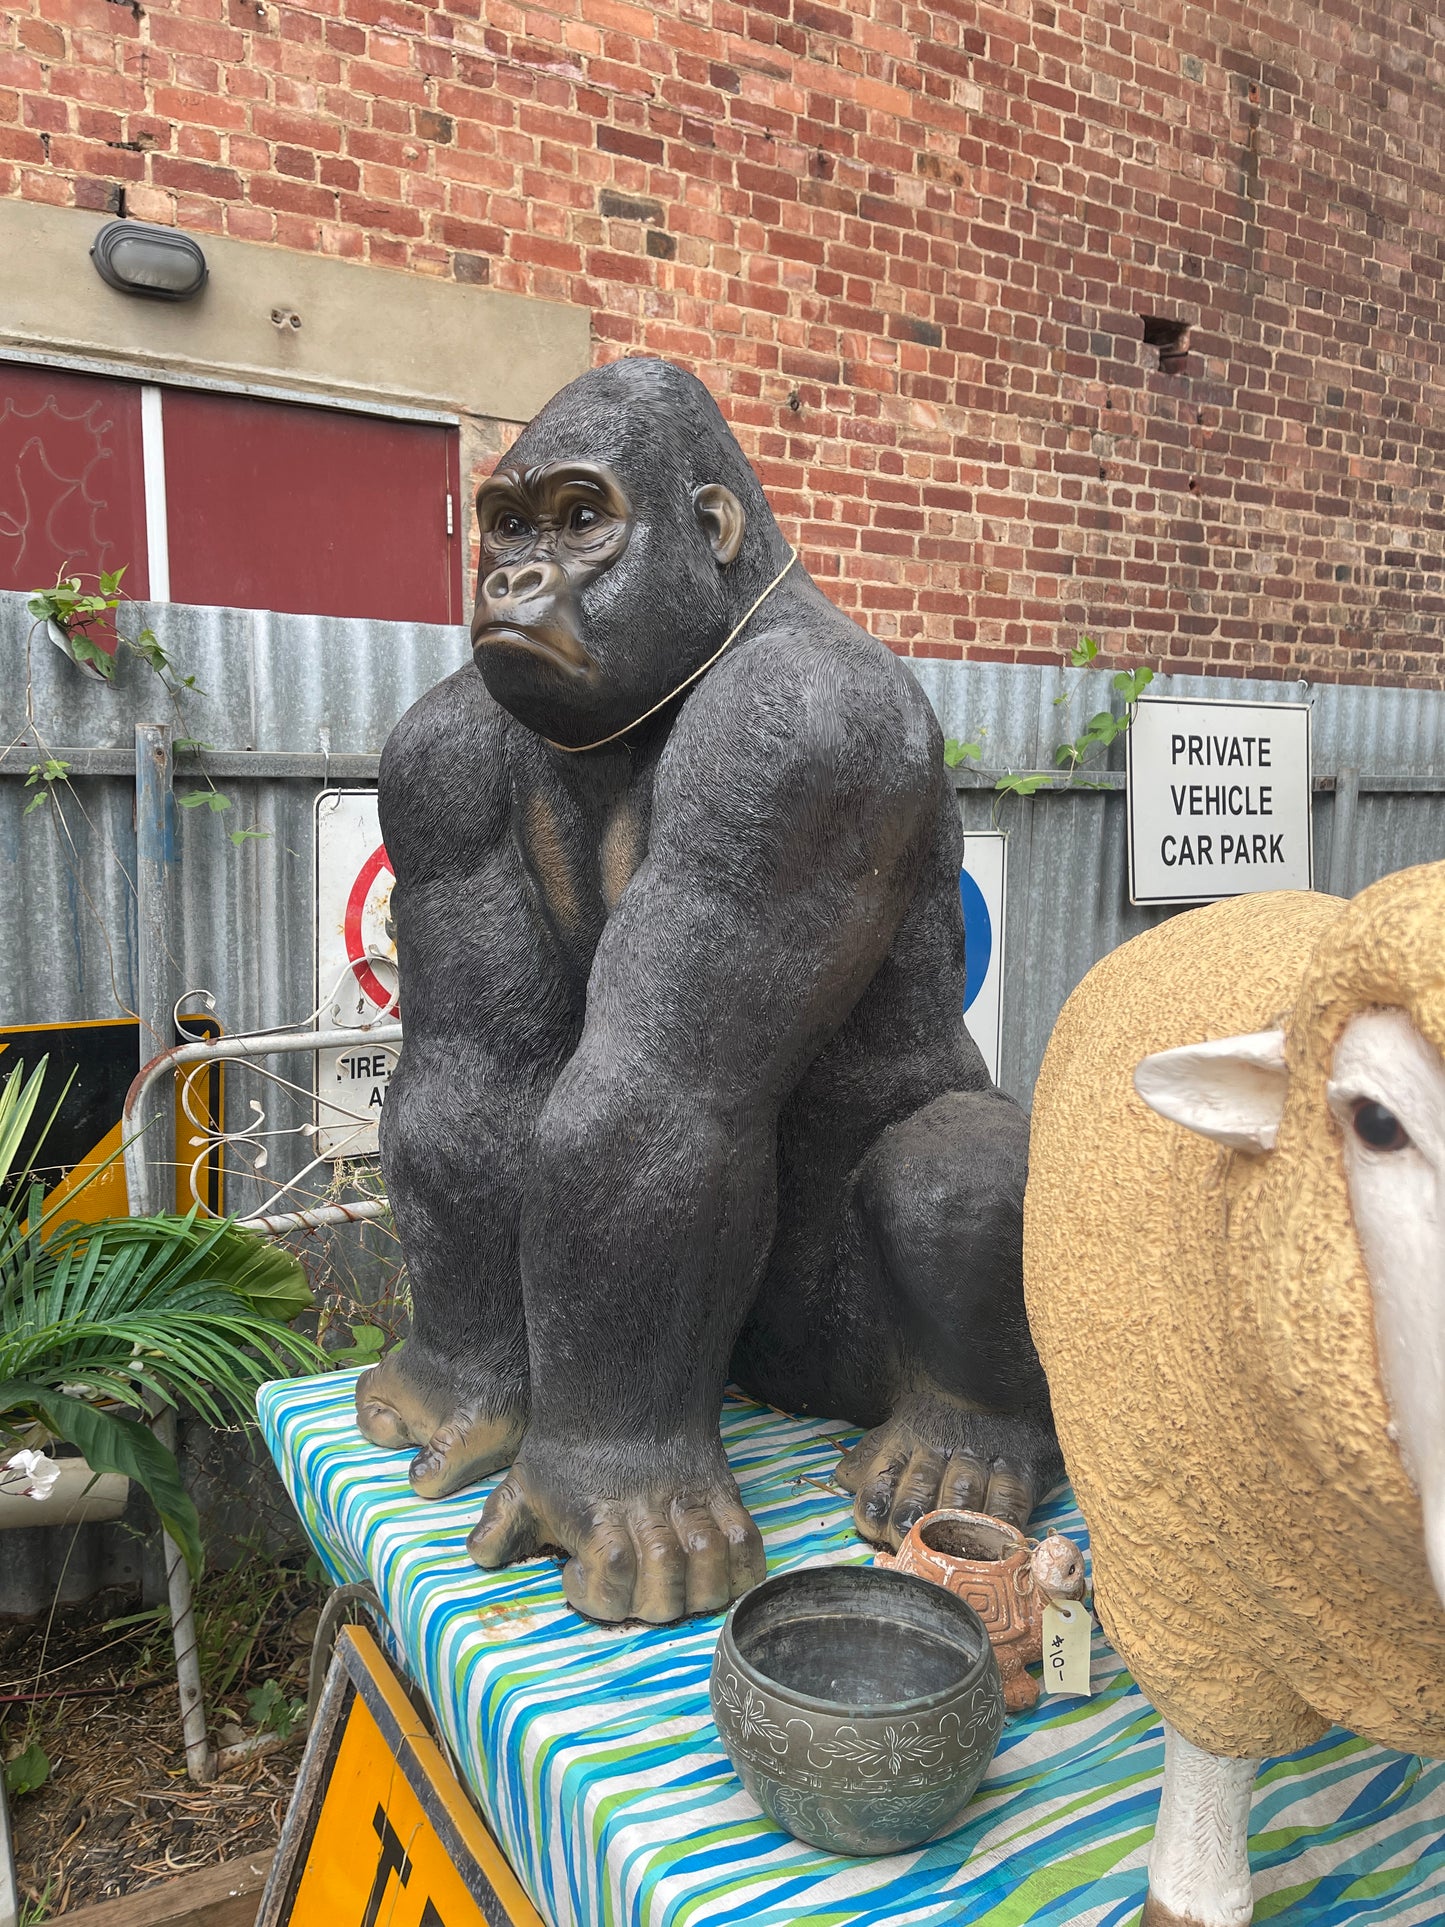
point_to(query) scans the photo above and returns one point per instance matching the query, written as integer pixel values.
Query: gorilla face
(546, 534)
(613, 559)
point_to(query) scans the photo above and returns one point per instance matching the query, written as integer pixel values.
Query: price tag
(1068, 1629)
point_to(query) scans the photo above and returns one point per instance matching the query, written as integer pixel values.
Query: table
(593, 1755)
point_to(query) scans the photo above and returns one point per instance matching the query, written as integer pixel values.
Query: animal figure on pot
(1241, 1323)
(686, 1089)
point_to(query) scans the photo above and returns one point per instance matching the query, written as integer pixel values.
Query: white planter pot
(79, 1496)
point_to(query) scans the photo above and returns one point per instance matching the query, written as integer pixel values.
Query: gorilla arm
(791, 818)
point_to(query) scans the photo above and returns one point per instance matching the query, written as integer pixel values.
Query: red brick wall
(909, 247)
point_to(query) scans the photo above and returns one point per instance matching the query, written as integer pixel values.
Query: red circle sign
(375, 989)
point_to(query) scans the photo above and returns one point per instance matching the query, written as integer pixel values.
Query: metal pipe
(321, 1214)
(359, 766)
(259, 1043)
(155, 971)
(262, 765)
(9, 1886)
(200, 1758)
(1343, 813)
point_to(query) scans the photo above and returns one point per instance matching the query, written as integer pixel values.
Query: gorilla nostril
(496, 588)
(526, 582)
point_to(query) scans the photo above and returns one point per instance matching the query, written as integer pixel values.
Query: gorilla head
(621, 539)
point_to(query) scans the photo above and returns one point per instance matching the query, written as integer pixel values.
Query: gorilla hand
(462, 1426)
(934, 1451)
(657, 1551)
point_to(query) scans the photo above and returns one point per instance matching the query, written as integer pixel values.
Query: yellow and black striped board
(93, 1062)
(379, 1832)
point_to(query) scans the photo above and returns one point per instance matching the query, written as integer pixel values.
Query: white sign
(356, 981)
(982, 887)
(1219, 799)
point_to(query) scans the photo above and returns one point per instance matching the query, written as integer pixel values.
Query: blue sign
(982, 891)
(977, 937)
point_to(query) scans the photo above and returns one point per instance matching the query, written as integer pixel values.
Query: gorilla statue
(686, 1092)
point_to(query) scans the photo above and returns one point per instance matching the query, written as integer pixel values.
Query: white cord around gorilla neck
(580, 749)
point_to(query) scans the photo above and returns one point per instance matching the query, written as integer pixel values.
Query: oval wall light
(137, 258)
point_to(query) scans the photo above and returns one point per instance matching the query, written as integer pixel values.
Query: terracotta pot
(1007, 1579)
(860, 1708)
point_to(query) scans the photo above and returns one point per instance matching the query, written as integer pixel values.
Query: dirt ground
(96, 1690)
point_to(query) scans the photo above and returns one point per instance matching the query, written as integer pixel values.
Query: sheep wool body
(1205, 1321)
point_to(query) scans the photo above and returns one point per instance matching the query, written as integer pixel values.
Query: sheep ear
(1231, 1089)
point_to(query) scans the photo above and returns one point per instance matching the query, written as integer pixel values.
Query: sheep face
(1386, 1091)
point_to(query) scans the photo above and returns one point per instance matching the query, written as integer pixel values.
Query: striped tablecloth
(597, 1765)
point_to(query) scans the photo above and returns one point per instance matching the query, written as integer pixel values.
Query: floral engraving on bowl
(855, 1754)
(817, 1818)
(750, 1710)
(888, 1752)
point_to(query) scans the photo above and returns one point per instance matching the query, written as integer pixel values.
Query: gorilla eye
(583, 518)
(1377, 1127)
(511, 527)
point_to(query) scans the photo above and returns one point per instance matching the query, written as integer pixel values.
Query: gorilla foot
(934, 1452)
(668, 1549)
(462, 1435)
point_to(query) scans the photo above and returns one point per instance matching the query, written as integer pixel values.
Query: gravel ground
(98, 1694)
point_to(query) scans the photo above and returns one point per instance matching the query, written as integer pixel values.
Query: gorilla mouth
(555, 646)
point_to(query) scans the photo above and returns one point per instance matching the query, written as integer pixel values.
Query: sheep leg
(1199, 1862)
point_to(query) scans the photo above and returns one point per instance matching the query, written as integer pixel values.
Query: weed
(273, 1710)
(28, 1770)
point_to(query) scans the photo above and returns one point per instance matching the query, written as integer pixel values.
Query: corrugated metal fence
(292, 704)
(1379, 805)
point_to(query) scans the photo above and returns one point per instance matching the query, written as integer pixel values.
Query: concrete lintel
(369, 334)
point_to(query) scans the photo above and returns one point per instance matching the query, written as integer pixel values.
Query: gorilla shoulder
(445, 762)
(809, 721)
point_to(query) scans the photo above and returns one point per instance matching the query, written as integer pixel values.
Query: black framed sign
(379, 1832)
(1219, 799)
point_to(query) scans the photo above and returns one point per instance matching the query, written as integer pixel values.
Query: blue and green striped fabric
(595, 1760)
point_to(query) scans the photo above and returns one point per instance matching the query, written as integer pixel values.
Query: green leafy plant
(367, 1344)
(69, 615)
(273, 1711)
(1099, 732)
(35, 1911)
(103, 1326)
(51, 771)
(75, 613)
(956, 752)
(28, 1770)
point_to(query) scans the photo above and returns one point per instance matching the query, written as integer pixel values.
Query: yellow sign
(92, 1061)
(380, 1832)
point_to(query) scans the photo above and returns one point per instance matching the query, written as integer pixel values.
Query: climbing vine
(1072, 755)
(78, 621)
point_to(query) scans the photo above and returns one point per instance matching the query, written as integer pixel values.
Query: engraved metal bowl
(861, 1708)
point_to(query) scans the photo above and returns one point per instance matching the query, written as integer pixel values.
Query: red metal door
(311, 510)
(72, 491)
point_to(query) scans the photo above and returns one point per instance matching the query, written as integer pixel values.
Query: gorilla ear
(723, 520)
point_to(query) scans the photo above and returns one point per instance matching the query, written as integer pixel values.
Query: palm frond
(136, 1314)
(18, 1100)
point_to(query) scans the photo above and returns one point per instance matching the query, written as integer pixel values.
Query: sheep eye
(1377, 1127)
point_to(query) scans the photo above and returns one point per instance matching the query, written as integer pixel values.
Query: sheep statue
(1243, 1327)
